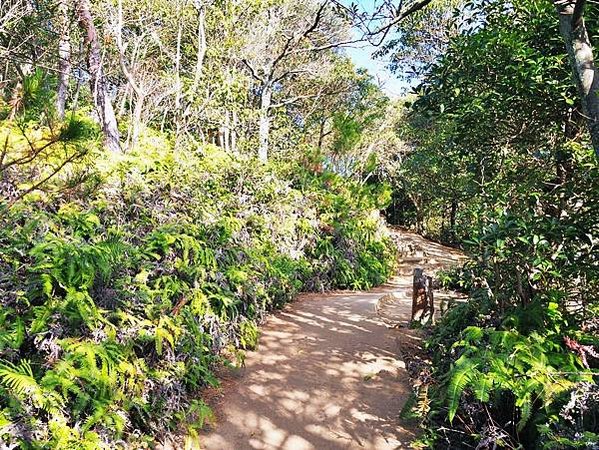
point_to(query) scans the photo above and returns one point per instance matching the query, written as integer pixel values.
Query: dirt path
(327, 374)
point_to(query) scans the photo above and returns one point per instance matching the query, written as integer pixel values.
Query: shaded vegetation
(502, 166)
(130, 277)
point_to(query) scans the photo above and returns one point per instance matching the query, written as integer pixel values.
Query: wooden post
(423, 306)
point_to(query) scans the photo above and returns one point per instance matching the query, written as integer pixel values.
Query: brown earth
(328, 373)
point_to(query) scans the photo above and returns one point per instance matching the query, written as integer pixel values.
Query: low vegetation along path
(328, 373)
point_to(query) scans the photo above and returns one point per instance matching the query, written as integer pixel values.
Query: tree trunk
(452, 214)
(136, 125)
(137, 90)
(200, 57)
(220, 137)
(234, 133)
(201, 53)
(178, 90)
(227, 132)
(97, 81)
(265, 102)
(64, 57)
(321, 134)
(15, 100)
(580, 53)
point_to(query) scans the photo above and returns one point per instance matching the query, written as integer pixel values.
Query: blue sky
(362, 57)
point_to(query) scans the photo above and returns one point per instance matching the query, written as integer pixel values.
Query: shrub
(117, 304)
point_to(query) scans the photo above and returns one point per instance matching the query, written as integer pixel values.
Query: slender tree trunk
(200, 56)
(452, 215)
(124, 97)
(321, 134)
(97, 81)
(220, 137)
(265, 102)
(15, 102)
(227, 131)
(64, 57)
(178, 90)
(580, 53)
(136, 125)
(201, 53)
(234, 132)
(138, 91)
(75, 102)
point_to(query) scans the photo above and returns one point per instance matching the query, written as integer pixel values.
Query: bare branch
(252, 71)
(297, 98)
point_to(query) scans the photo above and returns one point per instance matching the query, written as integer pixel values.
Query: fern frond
(460, 376)
(19, 378)
(20, 381)
(525, 404)
(472, 333)
(481, 386)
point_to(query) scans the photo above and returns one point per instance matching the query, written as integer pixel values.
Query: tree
(500, 163)
(423, 37)
(97, 80)
(137, 56)
(289, 41)
(64, 56)
(580, 52)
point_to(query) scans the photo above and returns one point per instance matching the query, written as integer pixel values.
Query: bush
(121, 294)
(517, 364)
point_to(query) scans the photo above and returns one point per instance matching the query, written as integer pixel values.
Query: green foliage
(120, 299)
(501, 165)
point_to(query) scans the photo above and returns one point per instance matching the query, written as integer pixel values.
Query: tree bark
(234, 133)
(137, 116)
(178, 89)
(64, 58)
(220, 137)
(265, 102)
(201, 53)
(137, 88)
(580, 53)
(321, 134)
(452, 215)
(199, 66)
(97, 81)
(227, 132)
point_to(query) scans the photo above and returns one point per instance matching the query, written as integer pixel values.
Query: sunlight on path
(326, 375)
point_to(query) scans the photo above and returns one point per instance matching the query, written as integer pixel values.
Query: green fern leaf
(20, 380)
(481, 386)
(460, 376)
(525, 405)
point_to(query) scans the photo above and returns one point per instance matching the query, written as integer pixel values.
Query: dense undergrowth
(517, 365)
(126, 278)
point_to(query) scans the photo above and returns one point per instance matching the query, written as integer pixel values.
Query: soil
(330, 372)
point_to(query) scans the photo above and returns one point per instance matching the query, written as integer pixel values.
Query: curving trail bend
(327, 373)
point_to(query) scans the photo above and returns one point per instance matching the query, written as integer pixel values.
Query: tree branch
(394, 20)
(305, 34)
(578, 13)
(252, 71)
(302, 97)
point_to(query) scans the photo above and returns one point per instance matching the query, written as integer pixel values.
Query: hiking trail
(328, 372)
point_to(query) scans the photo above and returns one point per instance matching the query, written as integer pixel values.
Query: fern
(525, 405)
(12, 329)
(20, 381)
(481, 386)
(459, 378)
(128, 321)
